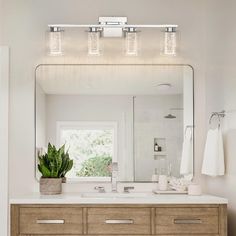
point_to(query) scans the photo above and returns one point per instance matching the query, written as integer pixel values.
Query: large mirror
(140, 116)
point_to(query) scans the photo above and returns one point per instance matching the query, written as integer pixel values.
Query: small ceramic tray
(170, 191)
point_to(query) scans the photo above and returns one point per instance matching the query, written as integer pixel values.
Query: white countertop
(78, 198)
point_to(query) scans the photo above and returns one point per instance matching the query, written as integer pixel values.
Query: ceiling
(110, 79)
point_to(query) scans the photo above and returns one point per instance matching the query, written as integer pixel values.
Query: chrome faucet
(114, 177)
(100, 189)
(127, 188)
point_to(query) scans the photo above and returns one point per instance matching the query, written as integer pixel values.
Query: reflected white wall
(40, 117)
(96, 108)
(150, 123)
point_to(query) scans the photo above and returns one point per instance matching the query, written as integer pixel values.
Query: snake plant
(55, 163)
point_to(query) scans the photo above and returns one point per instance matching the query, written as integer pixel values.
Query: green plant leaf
(45, 172)
(55, 163)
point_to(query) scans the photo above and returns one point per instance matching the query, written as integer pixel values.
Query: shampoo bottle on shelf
(157, 148)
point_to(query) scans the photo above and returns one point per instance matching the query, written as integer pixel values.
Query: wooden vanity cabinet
(120, 220)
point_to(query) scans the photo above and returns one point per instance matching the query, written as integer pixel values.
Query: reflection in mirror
(140, 116)
(159, 123)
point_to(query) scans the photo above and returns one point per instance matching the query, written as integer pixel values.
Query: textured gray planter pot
(50, 186)
(64, 180)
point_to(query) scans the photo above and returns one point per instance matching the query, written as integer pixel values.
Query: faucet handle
(127, 188)
(100, 189)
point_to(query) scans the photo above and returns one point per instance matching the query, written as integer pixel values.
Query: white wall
(221, 94)
(4, 103)
(25, 25)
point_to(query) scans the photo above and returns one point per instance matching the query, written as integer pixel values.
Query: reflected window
(92, 146)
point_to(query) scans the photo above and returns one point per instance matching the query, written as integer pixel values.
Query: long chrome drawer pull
(50, 221)
(128, 221)
(187, 221)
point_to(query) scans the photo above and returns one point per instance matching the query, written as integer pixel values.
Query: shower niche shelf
(159, 148)
(159, 156)
(159, 145)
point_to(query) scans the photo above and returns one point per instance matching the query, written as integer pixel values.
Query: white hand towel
(186, 166)
(213, 162)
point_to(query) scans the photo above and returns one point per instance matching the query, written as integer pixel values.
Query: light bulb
(131, 42)
(170, 42)
(94, 42)
(55, 41)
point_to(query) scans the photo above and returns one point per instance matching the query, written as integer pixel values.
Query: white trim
(88, 179)
(4, 104)
(88, 125)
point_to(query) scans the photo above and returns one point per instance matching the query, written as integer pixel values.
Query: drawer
(187, 220)
(119, 221)
(50, 220)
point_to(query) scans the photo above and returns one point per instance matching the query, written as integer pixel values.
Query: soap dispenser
(163, 179)
(163, 183)
(155, 176)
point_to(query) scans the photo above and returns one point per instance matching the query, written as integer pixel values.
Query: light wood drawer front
(119, 221)
(48, 220)
(187, 221)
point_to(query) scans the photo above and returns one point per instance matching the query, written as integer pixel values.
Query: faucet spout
(114, 177)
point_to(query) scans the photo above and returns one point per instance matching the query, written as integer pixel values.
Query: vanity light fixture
(94, 41)
(113, 27)
(170, 41)
(55, 41)
(131, 42)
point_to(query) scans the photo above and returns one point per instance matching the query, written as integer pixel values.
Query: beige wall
(4, 106)
(208, 43)
(26, 22)
(221, 93)
(1, 20)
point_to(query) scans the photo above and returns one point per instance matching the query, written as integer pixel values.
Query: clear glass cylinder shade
(169, 43)
(94, 43)
(55, 43)
(131, 44)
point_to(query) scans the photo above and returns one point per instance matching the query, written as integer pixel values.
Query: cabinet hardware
(50, 221)
(128, 221)
(187, 221)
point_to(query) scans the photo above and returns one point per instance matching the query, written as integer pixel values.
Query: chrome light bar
(113, 23)
(113, 27)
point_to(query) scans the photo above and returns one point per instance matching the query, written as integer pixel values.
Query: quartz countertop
(149, 198)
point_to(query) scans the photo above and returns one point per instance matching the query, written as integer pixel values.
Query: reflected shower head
(170, 116)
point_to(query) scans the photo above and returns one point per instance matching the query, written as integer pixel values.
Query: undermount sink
(116, 195)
